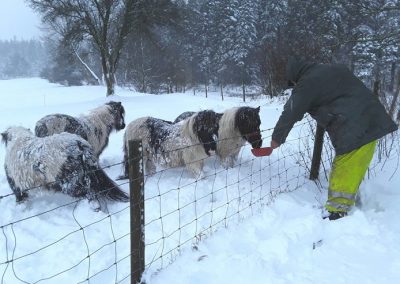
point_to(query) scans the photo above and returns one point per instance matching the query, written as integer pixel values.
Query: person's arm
(298, 104)
(274, 144)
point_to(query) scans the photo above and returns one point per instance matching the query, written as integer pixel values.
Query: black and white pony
(94, 127)
(236, 126)
(183, 116)
(62, 162)
(186, 143)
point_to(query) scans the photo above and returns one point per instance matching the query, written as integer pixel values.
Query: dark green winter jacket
(338, 101)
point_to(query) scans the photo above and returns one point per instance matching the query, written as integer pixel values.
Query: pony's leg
(229, 161)
(196, 168)
(235, 158)
(98, 205)
(193, 159)
(150, 167)
(232, 159)
(95, 196)
(20, 196)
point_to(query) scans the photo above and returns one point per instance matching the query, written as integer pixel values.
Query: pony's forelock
(247, 120)
(248, 123)
(116, 107)
(205, 127)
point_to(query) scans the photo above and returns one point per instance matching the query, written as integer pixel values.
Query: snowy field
(233, 233)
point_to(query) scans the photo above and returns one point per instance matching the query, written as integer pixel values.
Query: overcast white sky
(18, 19)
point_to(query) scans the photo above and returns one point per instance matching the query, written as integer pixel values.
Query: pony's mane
(237, 125)
(227, 124)
(187, 129)
(15, 132)
(108, 115)
(102, 113)
(200, 122)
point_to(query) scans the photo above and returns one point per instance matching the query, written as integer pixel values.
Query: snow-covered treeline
(21, 58)
(168, 45)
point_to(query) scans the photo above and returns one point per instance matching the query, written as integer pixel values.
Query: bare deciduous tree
(106, 23)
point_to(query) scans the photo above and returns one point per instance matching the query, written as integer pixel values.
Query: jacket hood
(295, 68)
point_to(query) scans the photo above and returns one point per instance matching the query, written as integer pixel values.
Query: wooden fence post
(136, 187)
(316, 158)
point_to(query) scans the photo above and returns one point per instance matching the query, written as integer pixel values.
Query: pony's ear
(258, 109)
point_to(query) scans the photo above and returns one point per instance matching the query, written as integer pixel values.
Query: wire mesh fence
(54, 238)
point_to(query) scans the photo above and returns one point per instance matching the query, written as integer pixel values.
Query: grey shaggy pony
(62, 162)
(236, 126)
(94, 127)
(186, 143)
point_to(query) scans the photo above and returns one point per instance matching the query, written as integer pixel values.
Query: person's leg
(348, 170)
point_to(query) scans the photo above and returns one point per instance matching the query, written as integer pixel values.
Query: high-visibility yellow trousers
(348, 170)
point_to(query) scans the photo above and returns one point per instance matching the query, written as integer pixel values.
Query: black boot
(336, 215)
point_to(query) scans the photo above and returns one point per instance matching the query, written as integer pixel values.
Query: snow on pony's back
(186, 143)
(62, 162)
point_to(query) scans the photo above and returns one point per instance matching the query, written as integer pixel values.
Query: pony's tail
(106, 188)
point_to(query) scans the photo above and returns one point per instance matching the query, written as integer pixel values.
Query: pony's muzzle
(211, 152)
(255, 141)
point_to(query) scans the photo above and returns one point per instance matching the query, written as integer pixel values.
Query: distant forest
(21, 58)
(163, 45)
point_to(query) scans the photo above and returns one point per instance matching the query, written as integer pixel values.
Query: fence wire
(54, 238)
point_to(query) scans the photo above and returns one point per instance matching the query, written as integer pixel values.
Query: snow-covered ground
(231, 234)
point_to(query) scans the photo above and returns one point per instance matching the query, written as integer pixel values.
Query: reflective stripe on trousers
(348, 170)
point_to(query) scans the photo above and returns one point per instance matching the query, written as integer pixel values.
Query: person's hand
(274, 144)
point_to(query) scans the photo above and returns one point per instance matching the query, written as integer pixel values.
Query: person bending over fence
(353, 117)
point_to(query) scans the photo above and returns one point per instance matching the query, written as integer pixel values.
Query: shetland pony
(62, 162)
(183, 116)
(186, 143)
(236, 126)
(94, 127)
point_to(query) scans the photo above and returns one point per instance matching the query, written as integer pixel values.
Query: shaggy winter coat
(338, 101)
(94, 127)
(236, 126)
(186, 143)
(62, 162)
